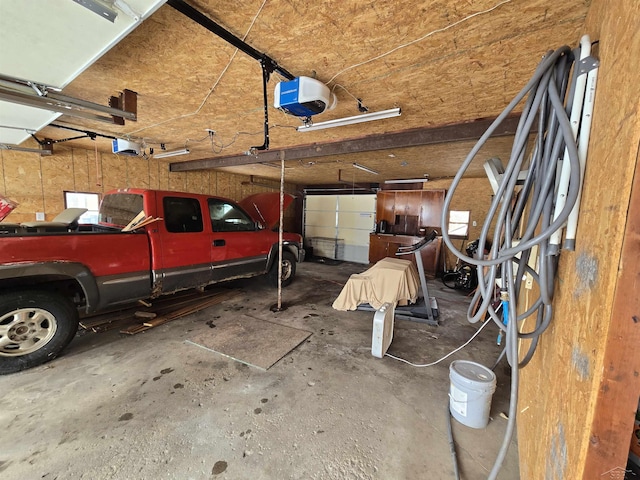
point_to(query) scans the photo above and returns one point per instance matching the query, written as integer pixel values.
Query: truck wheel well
(286, 247)
(58, 284)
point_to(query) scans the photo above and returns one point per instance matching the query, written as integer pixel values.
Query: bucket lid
(473, 371)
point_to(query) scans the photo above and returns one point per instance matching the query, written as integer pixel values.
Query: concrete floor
(153, 406)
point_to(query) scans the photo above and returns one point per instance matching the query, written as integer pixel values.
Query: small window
(458, 223)
(182, 215)
(226, 217)
(90, 201)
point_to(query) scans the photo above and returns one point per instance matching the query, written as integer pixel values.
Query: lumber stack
(144, 316)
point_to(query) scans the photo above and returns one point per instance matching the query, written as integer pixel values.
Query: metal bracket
(21, 94)
(587, 64)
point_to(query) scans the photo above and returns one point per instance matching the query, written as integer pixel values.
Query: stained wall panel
(163, 174)
(213, 182)
(137, 172)
(153, 174)
(81, 178)
(115, 173)
(223, 187)
(177, 183)
(38, 184)
(57, 176)
(197, 182)
(22, 173)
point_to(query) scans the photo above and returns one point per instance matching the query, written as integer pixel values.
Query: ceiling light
(171, 153)
(408, 180)
(367, 117)
(366, 169)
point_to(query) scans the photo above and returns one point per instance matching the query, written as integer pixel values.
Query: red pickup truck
(189, 240)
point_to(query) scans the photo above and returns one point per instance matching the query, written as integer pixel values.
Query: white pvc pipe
(576, 114)
(583, 146)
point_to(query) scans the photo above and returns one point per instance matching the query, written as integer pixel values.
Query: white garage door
(338, 226)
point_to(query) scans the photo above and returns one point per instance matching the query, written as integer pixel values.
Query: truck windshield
(120, 208)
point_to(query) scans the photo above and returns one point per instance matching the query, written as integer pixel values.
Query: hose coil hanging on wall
(527, 215)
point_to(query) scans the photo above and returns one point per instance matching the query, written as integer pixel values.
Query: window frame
(198, 222)
(216, 223)
(91, 216)
(458, 225)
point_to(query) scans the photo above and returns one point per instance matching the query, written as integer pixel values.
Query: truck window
(227, 217)
(182, 214)
(120, 208)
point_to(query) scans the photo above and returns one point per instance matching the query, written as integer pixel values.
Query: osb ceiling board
(441, 61)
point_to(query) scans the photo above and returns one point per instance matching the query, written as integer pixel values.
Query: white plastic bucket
(470, 393)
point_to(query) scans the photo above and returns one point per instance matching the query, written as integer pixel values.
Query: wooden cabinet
(384, 245)
(405, 212)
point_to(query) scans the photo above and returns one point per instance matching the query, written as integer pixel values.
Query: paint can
(470, 392)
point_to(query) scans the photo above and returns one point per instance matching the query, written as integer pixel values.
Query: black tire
(288, 270)
(35, 326)
(450, 279)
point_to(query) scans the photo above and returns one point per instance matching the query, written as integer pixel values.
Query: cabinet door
(431, 258)
(431, 210)
(385, 209)
(378, 247)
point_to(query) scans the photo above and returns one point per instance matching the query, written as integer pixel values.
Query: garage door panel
(356, 220)
(338, 226)
(321, 202)
(355, 237)
(322, 218)
(357, 203)
(312, 231)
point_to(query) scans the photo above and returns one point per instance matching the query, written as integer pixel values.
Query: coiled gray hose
(529, 210)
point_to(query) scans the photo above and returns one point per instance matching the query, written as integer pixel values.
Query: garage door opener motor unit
(304, 97)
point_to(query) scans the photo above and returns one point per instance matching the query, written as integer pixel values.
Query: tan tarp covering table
(390, 280)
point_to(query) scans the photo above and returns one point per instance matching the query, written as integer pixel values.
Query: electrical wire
(522, 214)
(446, 356)
(417, 40)
(215, 84)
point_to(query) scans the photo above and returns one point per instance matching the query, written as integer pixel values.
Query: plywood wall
(565, 430)
(37, 183)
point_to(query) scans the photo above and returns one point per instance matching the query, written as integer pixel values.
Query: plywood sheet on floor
(251, 341)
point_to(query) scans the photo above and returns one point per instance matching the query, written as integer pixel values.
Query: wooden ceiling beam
(408, 138)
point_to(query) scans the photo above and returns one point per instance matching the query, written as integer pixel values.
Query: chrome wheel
(287, 270)
(25, 330)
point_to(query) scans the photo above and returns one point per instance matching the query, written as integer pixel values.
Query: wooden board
(251, 341)
(164, 309)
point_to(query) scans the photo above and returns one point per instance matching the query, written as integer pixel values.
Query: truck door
(186, 244)
(239, 247)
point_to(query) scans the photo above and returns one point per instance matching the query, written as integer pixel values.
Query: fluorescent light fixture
(366, 169)
(408, 180)
(340, 122)
(171, 153)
